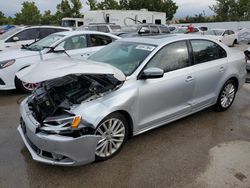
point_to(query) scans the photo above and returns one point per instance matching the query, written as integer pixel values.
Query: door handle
(222, 69)
(189, 79)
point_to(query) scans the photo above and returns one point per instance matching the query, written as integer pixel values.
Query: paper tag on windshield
(145, 47)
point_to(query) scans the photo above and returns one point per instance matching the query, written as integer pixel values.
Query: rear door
(209, 66)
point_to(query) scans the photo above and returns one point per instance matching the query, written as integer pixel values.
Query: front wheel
(114, 132)
(23, 86)
(226, 96)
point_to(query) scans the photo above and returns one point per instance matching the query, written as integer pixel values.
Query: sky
(186, 7)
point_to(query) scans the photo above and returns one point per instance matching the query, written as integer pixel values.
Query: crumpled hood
(16, 54)
(51, 69)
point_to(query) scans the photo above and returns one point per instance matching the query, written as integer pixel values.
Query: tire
(24, 87)
(114, 132)
(226, 96)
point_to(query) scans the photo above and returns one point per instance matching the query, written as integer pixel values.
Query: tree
(2, 18)
(167, 6)
(92, 4)
(231, 10)
(76, 8)
(29, 15)
(108, 4)
(48, 18)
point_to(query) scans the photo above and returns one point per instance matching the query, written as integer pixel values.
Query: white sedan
(225, 36)
(19, 36)
(62, 44)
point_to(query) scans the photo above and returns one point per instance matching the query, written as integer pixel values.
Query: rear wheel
(226, 96)
(114, 131)
(23, 86)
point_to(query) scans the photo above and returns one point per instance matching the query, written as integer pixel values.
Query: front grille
(1, 82)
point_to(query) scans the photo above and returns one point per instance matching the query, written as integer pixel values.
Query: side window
(44, 32)
(103, 29)
(154, 29)
(204, 50)
(165, 29)
(76, 42)
(231, 32)
(171, 57)
(99, 40)
(28, 34)
(144, 29)
(226, 32)
(80, 24)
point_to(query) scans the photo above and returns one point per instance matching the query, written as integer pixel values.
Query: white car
(225, 36)
(19, 36)
(247, 53)
(62, 44)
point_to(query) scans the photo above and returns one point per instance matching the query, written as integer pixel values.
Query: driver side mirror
(247, 53)
(15, 39)
(59, 49)
(152, 73)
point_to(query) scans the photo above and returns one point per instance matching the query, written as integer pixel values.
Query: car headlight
(4, 64)
(61, 124)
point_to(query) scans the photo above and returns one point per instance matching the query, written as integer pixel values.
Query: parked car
(247, 53)
(244, 35)
(225, 36)
(6, 28)
(85, 111)
(142, 30)
(19, 36)
(81, 43)
(107, 28)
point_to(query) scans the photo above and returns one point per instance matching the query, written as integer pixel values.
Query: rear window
(204, 51)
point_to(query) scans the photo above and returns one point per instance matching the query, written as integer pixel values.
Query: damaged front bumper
(55, 149)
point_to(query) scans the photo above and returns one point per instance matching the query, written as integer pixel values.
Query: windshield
(10, 33)
(68, 23)
(45, 42)
(126, 56)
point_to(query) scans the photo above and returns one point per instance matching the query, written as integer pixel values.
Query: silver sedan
(85, 111)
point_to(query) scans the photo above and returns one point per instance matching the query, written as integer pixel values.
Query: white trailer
(124, 17)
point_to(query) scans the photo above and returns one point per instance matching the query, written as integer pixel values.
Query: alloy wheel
(227, 95)
(113, 133)
(29, 86)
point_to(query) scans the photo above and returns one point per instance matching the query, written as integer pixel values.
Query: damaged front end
(51, 130)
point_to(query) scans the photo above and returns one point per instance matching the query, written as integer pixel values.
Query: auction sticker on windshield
(145, 47)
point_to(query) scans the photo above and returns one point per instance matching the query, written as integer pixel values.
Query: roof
(162, 39)
(48, 26)
(71, 33)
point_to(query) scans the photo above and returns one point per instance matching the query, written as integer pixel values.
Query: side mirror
(15, 39)
(151, 73)
(247, 53)
(59, 49)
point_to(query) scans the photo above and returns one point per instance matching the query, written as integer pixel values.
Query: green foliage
(2, 18)
(48, 18)
(108, 4)
(29, 15)
(231, 10)
(167, 6)
(197, 18)
(92, 4)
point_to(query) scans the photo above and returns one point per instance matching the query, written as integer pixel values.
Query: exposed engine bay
(51, 102)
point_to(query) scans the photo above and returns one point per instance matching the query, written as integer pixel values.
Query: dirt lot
(207, 149)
